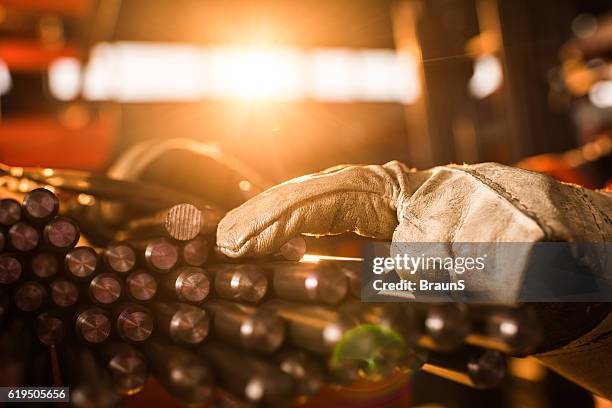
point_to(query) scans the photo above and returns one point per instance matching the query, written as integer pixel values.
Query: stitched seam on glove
(548, 230)
(583, 196)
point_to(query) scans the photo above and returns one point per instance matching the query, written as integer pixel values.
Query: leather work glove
(471, 203)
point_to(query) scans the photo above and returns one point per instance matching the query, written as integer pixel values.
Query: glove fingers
(361, 199)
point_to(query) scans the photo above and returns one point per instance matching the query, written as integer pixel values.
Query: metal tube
(93, 325)
(313, 328)
(308, 282)
(23, 237)
(250, 328)
(30, 296)
(40, 205)
(138, 196)
(387, 315)
(351, 270)
(81, 262)
(195, 251)
(307, 372)
(161, 255)
(128, 366)
(10, 212)
(443, 327)
(185, 375)
(45, 265)
(292, 250)
(372, 351)
(135, 323)
(61, 233)
(471, 366)
(89, 383)
(105, 289)
(187, 284)
(244, 283)
(225, 399)
(251, 378)
(64, 293)
(512, 330)
(181, 221)
(141, 286)
(182, 323)
(11, 268)
(119, 257)
(50, 328)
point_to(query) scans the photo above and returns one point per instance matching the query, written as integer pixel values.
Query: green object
(373, 352)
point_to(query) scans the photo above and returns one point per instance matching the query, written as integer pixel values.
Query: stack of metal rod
(162, 301)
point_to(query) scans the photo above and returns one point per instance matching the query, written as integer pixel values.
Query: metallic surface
(245, 283)
(40, 205)
(307, 372)
(30, 296)
(64, 293)
(81, 261)
(316, 329)
(352, 272)
(61, 233)
(90, 385)
(10, 211)
(10, 269)
(195, 251)
(141, 286)
(128, 367)
(50, 328)
(93, 325)
(134, 323)
(105, 288)
(119, 257)
(24, 237)
(293, 250)
(443, 326)
(474, 367)
(308, 282)
(247, 327)
(183, 221)
(45, 265)
(188, 284)
(184, 324)
(512, 330)
(142, 195)
(251, 378)
(185, 375)
(161, 255)
(387, 315)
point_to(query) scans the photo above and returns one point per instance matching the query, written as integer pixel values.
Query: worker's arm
(480, 203)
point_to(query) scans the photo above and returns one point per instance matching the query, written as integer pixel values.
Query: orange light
(142, 72)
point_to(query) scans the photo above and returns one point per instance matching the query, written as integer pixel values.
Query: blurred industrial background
(292, 87)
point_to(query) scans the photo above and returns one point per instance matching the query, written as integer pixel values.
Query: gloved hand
(479, 203)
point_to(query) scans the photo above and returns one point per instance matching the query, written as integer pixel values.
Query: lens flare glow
(149, 72)
(487, 78)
